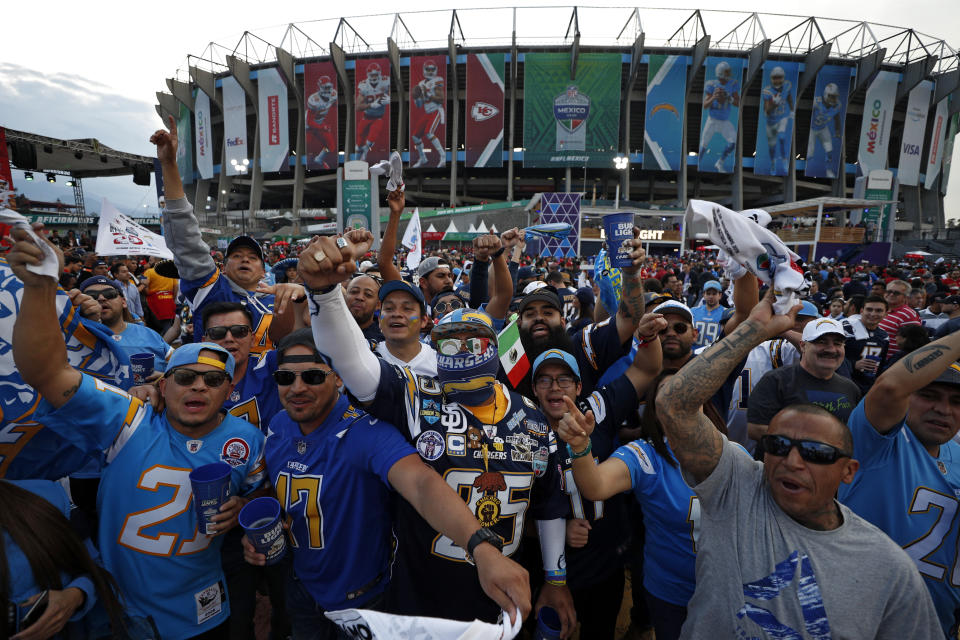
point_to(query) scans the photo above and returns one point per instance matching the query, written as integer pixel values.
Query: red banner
(320, 87)
(6, 184)
(373, 109)
(428, 111)
(484, 110)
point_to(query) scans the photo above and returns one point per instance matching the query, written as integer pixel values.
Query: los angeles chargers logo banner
(829, 112)
(778, 104)
(320, 88)
(722, 91)
(485, 87)
(665, 112)
(571, 123)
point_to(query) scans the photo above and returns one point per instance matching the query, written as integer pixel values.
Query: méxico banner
(914, 126)
(184, 148)
(571, 123)
(428, 111)
(721, 113)
(234, 124)
(665, 112)
(877, 118)
(938, 129)
(320, 87)
(274, 126)
(484, 109)
(778, 103)
(373, 109)
(829, 111)
(203, 132)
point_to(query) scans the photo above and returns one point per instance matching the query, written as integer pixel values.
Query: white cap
(365, 265)
(675, 307)
(533, 286)
(821, 327)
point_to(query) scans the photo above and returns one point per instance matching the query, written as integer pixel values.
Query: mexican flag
(512, 356)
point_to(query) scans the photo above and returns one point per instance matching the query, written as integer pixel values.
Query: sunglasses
(810, 450)
(452, 305)
(679, 328)
(186, 377)
(285, 377)
(546, 382)
(219, 333)
(453, 346)
(108, 294)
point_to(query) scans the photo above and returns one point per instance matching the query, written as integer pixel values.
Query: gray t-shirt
(760, 574)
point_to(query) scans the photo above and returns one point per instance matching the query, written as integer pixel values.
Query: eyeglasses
(219, 333)
(186, 377)
(452, 305)
(810, 450)
(285, 377)
(453, 346)
(679, 328)
(546, 382)
(108, 294)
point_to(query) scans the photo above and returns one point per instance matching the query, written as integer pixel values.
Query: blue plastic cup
(260, 519)
(211, 488)
(141, 367)
(618, 228)
(548, 624)
(872, 374)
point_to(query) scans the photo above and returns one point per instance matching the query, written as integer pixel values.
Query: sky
(91, 70)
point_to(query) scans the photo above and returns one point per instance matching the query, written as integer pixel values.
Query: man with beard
(363, 301)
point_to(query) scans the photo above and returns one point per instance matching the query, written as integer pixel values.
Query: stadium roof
(811, 206)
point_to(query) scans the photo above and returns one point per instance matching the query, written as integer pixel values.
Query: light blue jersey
(148, 525)
(913, 498)
(822, 114)
(720, 109)
(707, 323)
(137, 338)
(782, 97)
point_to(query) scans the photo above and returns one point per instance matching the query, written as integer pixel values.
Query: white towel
(364, 623)
(393, 169)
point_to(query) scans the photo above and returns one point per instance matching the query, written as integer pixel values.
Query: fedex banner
(665, 114)
(778, 104)
(914, 126)
(320, 88)
(234, 125)
(826, 122)
(274, 124)
(938, 130)
(485, 91)
(184, 147)
(373, 109)
(428, 111)
(877, 118)
(203, 132)
(721, 114)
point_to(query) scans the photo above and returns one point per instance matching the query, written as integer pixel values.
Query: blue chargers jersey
(217, 288)
(137, 338)
(720, 110)
(782, 109)
(914, 499)
(598, 347)
(822, 114)
(256, 398)
(166, 569)
(707, 323)
(333, 486)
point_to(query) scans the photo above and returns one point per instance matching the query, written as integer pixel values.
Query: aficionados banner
(234, 124)
(914, 126)
(877, 118)
(721, 113)
(373, 110)
(274, 124)
(571, 124)
(938, 128)
(665, 112)
(428, 111)
(826, 122)
(203, 131)
(485, 110)
(320, 87)
(778, 103)
(184, 147)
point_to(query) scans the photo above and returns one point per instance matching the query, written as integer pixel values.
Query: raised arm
(501, 291)
(648, 362)
(631, 295)
(746, 294)
(388, 243)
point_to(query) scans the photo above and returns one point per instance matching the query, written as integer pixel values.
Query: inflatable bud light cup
(141, 367)
(211, 488)
(548, 625)
(618, 228)
(260, 519)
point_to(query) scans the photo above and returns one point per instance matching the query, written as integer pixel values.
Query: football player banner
(373, 109)
(203, 131)
(184, 148)
(723, 79)
(118, 235)
(428, 111)
(234, 124)
(938, 129)
(778, 103)
(274, 123)
(829, 111)
(914, 126)
(484, 135)
(877, 117)
(571, 123)
(665, 112)
(320, 87)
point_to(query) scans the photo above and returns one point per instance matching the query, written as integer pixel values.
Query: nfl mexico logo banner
(485, 89)
(665, 112)
(274, 124)
(428, 111)
(320, 87)
(571, 123)
(372, 78)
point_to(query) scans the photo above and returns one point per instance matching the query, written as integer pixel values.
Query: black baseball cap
(546, 294)
(93, 281)
(950, 376)
(245, 241)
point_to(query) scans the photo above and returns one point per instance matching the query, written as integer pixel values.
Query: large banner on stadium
(665, 112)
(485, 91)
(558, 208)
(877, 118)
(721, 112)
(322, 125)
(830, 99)
(234, 124)
(778, 104)
(948, 151)
(938, 129)
(914, 126)
(6, 176)
(428, 111)
(571, 123)
(373, 109)
(203, 131)
(184, 145)
(274, 123)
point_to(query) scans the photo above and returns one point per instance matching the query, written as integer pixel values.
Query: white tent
(482, 228)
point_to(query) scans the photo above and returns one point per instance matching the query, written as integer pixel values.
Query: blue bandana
(466, 378)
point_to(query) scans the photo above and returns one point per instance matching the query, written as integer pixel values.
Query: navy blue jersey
(215, 287)
(598, 348)
(255, 398)
(874, 345)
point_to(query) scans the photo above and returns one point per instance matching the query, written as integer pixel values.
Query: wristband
(579, 454)
(646, 341)
(557, 578)
(497, 253)
(321, 291)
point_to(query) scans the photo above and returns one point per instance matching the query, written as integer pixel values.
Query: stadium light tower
(622, 163)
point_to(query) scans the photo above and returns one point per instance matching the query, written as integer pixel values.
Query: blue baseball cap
(712, 284)
(553, 355)
(93, 281)
(402, 285)
(190, 354)
(809, 310)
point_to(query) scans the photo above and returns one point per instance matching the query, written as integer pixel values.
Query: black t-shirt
(783, 387)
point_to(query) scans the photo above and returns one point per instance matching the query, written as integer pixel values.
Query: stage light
(70, 183)
(78, 155)
(51, 177)
(28, 176)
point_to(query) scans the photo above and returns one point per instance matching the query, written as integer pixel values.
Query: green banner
(571, 123)
(877, 215)
(356, 204)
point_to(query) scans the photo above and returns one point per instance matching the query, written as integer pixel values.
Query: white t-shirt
(424, 363)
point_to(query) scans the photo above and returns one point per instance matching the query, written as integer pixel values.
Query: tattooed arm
(886, 402)
(694, 439)
(631, 296)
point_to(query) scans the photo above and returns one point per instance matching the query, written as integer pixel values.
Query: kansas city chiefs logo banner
(485, 110)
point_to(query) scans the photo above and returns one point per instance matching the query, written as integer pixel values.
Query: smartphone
(35, 611)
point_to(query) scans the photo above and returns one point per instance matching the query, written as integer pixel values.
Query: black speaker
(23, 154)
(141, 174)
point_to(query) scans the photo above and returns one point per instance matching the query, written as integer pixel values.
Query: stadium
(790, 131)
